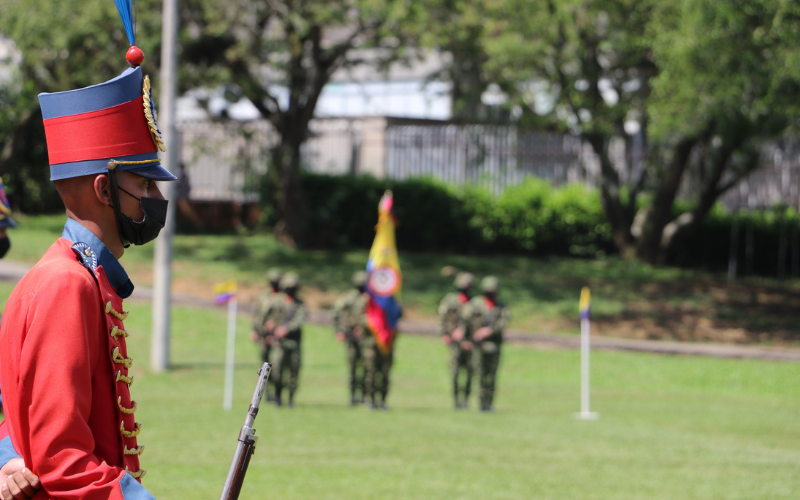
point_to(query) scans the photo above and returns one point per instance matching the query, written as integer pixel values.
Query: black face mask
(5, 244)
(130, 231)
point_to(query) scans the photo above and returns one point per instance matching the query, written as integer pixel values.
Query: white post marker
(585, 307)
(226, 293)
(230, 354)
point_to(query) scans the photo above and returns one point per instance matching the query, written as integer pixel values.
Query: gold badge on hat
(150, 114)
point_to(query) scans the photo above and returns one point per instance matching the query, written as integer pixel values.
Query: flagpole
(585, 307)
(230, 354)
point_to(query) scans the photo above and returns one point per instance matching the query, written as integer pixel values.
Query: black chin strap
(112, 177)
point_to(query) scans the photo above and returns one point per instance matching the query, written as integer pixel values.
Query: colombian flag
(383, 278)
(224, 292)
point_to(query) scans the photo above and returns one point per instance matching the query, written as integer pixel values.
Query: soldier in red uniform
(64, 364)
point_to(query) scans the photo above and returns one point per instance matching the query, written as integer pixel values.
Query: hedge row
(533, 218)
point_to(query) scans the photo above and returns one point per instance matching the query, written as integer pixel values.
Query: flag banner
(224, 292)
(585, 304)
(383, 278)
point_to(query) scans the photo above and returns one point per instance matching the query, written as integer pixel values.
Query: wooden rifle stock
(246, 445)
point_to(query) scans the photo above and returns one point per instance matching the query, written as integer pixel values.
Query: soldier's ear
(102, 189)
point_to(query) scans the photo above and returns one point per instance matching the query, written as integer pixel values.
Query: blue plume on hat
(126, 14)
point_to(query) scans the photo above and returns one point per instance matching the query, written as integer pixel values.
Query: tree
(281, 54)
(704, 80)
(728, 77)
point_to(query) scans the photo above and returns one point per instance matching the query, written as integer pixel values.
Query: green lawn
(630, 299)
(670, 427)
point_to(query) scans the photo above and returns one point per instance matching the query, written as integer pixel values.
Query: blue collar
(117, 277)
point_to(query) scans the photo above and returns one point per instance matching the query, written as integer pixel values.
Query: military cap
(359, 278)
(463, 280)
(290, 280)
(274, 274)
(490, 284)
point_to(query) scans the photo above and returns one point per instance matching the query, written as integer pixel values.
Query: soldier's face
(140, 187)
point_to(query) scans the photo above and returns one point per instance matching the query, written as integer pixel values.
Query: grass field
(670, 427)
(630, 299)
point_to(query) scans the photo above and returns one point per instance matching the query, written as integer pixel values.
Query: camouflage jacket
(450, 312)
(291, 314)
(266, 308)
(478, 313)
(350, 312)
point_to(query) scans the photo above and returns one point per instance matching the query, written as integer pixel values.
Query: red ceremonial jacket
(64, 373)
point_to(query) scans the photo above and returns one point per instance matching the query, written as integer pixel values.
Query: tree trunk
(649, 246)
(616, 213)
(293, 208)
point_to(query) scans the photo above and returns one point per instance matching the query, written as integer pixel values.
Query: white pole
(230, 355)
(159, 347)
(586, 413)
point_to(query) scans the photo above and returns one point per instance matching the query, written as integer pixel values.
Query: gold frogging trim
(130, 434)
(110, 310)
(127, 411)
(117, 357)
(133, 451)
(116, 331)
(123, 378)
(136, 475)
(149, 114)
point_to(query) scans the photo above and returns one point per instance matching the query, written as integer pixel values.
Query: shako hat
(115, 120)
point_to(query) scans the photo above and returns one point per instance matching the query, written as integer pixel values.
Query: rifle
(247, 442)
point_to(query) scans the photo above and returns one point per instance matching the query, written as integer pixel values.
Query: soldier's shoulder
(350, 296)
(450, 299)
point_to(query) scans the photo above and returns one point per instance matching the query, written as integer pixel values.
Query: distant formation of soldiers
(471, 326)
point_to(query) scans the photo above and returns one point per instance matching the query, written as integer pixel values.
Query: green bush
(710, 246)
(532, 218)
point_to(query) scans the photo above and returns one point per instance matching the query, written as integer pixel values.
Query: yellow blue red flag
(224, 292)
(383, 278)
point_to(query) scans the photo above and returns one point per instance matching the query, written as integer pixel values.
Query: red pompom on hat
(135, 56)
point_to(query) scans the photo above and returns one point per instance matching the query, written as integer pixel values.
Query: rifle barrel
(246, 444)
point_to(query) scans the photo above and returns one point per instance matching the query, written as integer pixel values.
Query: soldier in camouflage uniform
(350, 324)
(460, 347)
(266, 310)
(483, 319)
(288, 335)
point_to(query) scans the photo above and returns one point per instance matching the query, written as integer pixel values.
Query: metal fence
(225, 160)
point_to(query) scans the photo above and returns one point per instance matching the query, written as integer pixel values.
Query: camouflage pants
(487, 360)
(461, 362)
(376, 377)
(285, 361)
(355, 360)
